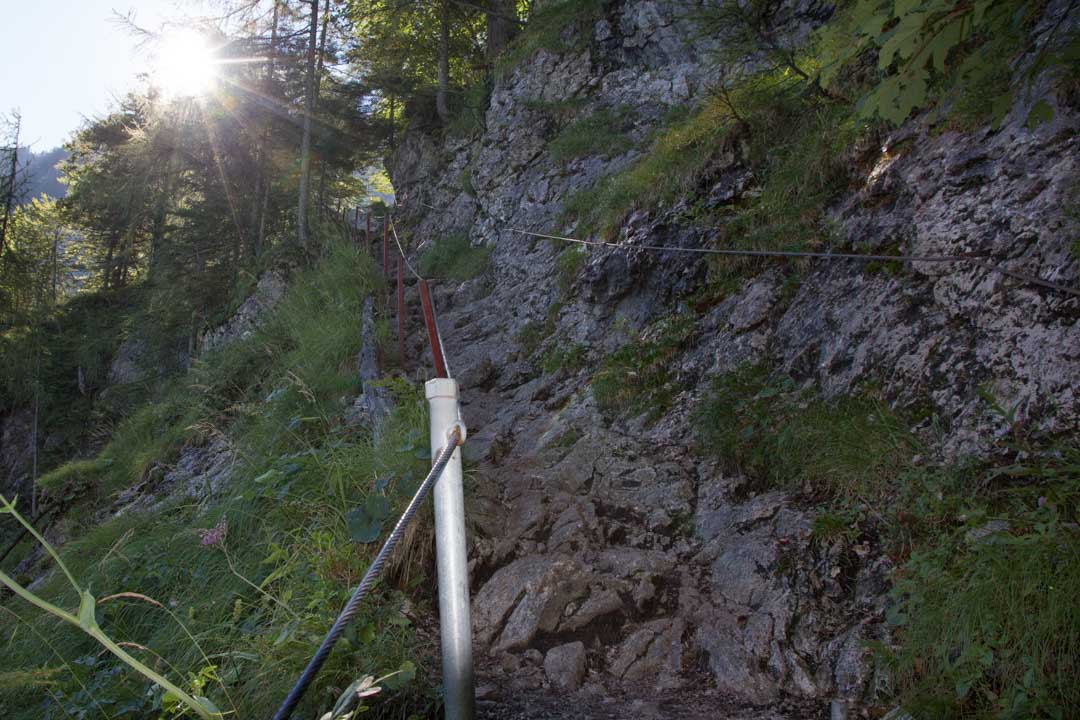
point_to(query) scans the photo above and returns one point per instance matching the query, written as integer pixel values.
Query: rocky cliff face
(609, 555)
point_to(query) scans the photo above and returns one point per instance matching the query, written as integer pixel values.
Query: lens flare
(185, 65)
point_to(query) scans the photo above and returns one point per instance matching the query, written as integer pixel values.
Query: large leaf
(365, 521)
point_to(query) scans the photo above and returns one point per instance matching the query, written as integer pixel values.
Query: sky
(63, 60)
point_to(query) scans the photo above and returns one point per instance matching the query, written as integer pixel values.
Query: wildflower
(215, 535)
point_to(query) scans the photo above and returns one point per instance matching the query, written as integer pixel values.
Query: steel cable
(372, 574)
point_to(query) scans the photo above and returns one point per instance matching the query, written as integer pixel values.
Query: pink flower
(215, 535)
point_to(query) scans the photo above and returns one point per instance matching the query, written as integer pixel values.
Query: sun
(185, 65)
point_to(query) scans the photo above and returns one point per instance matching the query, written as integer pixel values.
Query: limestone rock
(565, 666)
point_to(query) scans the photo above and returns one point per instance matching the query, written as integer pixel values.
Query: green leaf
(87, 611)
(365, 522)
(209, 706)
(903, 7)
(872, 24)
(1040, 113)
(912, 96)
(943, 44)
(405, 674)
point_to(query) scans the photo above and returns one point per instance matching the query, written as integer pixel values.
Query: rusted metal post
(386, 248)
(401, 310)
(433, 330)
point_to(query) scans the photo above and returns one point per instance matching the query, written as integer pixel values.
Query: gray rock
(250, 315)
(618, 534)
(565, 666)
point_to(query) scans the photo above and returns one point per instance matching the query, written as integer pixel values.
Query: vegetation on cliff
(219, 506)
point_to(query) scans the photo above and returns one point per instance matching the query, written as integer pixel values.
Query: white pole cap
(441, 388)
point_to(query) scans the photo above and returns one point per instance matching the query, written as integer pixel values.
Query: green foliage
(669, 169)
(73, 477)
(455, 257)
(638, 377)
(466, 182)
(985, 607)
(554, 26)
(236, 594)
(395, 50)
(86, 620)
(984, 615)
(779, 436)
(833, 525)
(794, 141)
(533, 334)
(559, 110)
(964, 47)
(798, 142)
(598, 134)
(568, 266)
(564, 356)
(467, 111)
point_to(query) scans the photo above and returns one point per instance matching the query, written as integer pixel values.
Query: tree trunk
(9, 194)
(305, 145)
(264, 152)
(444, 61)
(392, 109)
(501, 27)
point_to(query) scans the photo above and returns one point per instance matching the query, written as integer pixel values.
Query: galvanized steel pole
(454, 615)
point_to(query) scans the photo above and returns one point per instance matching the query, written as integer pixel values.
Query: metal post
(433, 330)
(386, 253)
(454, 616)
(401, 310)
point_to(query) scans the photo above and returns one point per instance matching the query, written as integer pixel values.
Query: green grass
(848, 448)
(637, 378)
(564, 356)
(792, 139)
(988, 625)
(73, 477)
(601, 133)
(546, 28)
(568, 266)
(533, 333)
(455, 257)
(984, 625)
(257, 603)
(558, 109)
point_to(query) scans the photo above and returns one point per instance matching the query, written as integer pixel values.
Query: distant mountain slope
(41, 173)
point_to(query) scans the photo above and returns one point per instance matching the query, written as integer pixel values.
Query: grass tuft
(782, 437)
(455, 257)
(637, 378)
(598, 134)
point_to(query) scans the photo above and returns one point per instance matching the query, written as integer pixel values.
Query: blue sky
(62, 60)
